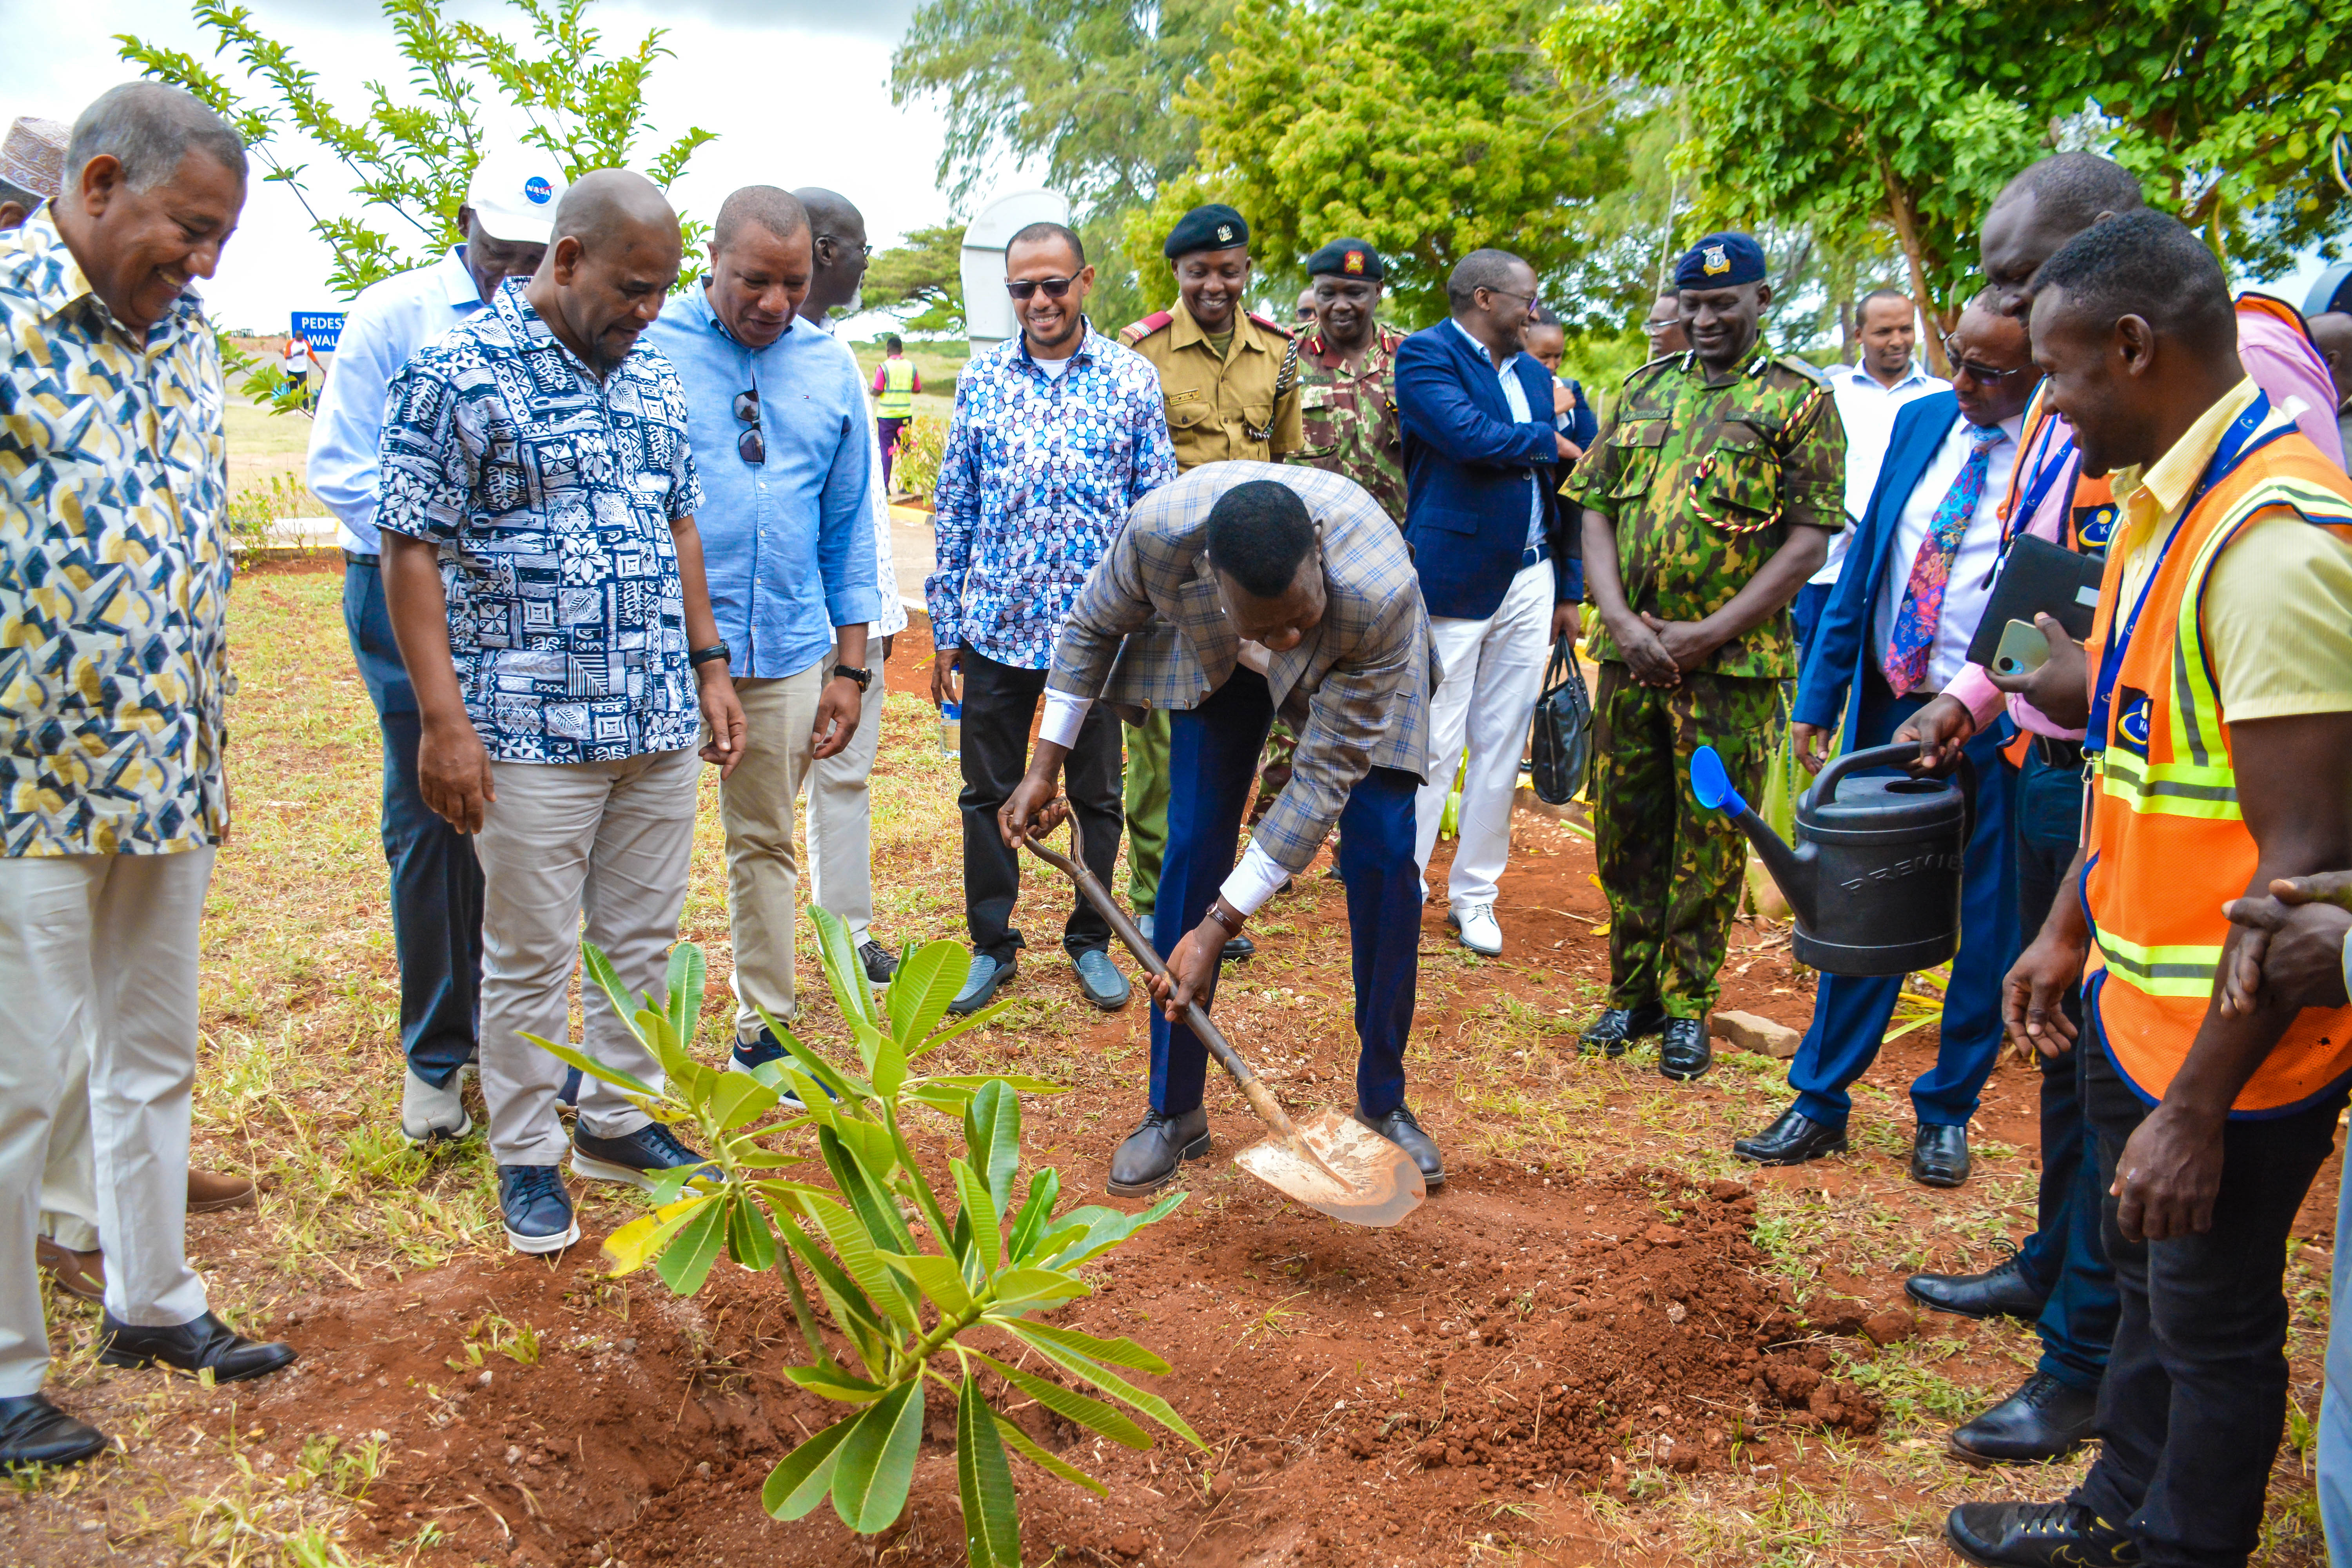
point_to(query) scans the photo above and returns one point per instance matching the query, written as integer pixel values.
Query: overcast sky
(797, 90)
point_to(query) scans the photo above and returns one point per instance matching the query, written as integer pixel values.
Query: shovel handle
(1196, 1018)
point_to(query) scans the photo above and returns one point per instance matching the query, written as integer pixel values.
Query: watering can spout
(1792, 869)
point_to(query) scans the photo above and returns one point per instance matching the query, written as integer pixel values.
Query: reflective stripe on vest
(897, 389)
(2167, 843)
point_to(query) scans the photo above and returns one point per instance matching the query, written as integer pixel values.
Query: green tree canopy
(408, 156)
(921, 282)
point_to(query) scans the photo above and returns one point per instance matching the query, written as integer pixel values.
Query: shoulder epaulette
(1136, 331)
(1809, 371)
(1275, 327)
(1648, 365)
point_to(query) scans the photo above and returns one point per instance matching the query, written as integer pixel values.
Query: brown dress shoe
(82, 1274)
(209, 1191)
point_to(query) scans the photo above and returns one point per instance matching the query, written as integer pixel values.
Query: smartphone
(2023, 649)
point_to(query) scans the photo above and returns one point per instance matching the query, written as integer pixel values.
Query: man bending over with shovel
(1240, 592)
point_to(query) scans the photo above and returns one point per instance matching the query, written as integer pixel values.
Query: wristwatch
(702, 655)
(1232, 923)
(863, 677)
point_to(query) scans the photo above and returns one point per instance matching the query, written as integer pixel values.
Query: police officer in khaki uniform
(1231, 379)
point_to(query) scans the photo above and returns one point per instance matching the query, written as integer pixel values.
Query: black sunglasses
(751, 446)
(1982, 374)
(1022, 287)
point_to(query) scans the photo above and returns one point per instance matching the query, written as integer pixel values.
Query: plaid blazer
(1147, 632)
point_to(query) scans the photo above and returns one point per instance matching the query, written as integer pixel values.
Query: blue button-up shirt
(387, 325)
(1038, 474)
(787, 544)
(551, 495)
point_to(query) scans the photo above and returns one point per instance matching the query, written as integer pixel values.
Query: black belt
(2056, 753)
(353, 558)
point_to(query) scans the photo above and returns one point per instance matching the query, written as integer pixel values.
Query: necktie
(1914, 637)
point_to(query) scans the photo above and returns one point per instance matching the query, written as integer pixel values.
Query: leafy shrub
(908, 1286)
(916, 469)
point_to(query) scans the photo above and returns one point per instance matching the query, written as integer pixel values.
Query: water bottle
(952, 728)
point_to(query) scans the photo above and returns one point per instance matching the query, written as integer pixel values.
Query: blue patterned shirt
(114, 567)
(1038, 474)
(550, 496)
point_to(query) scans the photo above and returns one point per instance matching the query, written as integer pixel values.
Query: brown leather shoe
(82, 1274)
(209, 1191)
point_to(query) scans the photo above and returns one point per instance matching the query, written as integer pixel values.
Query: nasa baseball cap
(514, 192)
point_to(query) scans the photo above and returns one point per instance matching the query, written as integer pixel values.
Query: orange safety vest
(2168, 844)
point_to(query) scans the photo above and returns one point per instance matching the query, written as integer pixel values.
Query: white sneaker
(1476, 925)
(428, 1114)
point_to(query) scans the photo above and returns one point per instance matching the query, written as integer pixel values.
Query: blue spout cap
(1712, 782)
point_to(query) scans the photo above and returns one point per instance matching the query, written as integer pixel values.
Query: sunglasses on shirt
(751, 446)
(1024, 287)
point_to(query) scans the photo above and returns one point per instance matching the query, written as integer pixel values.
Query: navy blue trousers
(1212, 755)
(437, 884)
(2066, 1257)
(1806, 612)
(1850, 1015)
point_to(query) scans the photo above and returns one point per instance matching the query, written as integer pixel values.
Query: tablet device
(2039, 578)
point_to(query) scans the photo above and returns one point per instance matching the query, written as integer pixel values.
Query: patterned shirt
(1038, 473)
(550, 496)
(114, 567)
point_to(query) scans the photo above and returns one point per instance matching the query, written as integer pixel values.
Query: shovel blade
(1377, 1183)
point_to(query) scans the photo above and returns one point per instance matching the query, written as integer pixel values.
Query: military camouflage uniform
(1703, 483)
(1349, 418)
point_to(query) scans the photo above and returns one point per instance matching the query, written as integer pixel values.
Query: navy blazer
(1837, 662)
(1465, 471)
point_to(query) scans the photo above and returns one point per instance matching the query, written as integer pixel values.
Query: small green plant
(908, 1287)
(922, 442)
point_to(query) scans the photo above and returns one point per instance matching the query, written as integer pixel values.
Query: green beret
(1347, 258)
(1212, 227)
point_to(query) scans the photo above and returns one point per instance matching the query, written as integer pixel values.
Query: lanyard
(2061, 461)
(2236, 444)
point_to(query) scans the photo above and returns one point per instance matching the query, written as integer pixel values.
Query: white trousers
(98, 960)
(841, 812)
(1493, 674)
(599, 844)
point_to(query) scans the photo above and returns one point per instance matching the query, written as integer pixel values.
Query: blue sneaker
(538, 1210)
(1100, 980)
(1143, 924)
(568, 1096)
(750, 1054)
(637, 1158)
(981, 983)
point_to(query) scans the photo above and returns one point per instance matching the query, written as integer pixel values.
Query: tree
(409, 154)
(921, 281)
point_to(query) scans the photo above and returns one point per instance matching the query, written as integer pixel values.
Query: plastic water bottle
(952, 728)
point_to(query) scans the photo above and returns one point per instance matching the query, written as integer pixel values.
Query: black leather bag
(1562, 743)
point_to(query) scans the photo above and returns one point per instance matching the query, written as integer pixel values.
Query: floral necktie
(1914, 637)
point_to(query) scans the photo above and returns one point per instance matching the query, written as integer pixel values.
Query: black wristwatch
(700, 656)
(863, 677)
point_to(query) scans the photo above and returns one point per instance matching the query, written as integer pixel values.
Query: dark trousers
(889, 431)
(1213, 754)
(2065, 1257)
(1806, 612)
(1850, 1014)
(1000, 702)
(2195, 1392)
(437, 884)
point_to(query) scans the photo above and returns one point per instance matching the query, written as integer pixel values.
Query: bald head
(2038, 212)
(607, 206)
(614, 257)
(2333, 334)
(775, 212)
(840, 231)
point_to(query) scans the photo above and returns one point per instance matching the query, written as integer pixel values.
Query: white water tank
(987, 308)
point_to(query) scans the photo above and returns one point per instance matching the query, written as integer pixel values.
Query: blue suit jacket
(1465, 469)
(1837, 661)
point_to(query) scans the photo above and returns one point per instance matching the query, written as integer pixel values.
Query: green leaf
(844, 1298)
(1028, 1226)
(843, 968)
(991, 1130)
(834, 1384)
(864, 1191)
(608, 980)
(749, 1242)
(1026, 1445)
(1117, 1353)
(964, 1026)
(937, 1277)
(810, 1060)
(1105, 1228)
(737, 1099)
(587, 1064)
(691, 1077)
(991, 1522)
(855, 1245)
(980, 1212)
(1070, 1404)
(889, 1066)
(686, 1262)
(926, 980)
(1109, 1382)
(802, 1477)
(1026, 1289)
(688, 970)
(645, 1238)
(877, 1460)
(973, 1082)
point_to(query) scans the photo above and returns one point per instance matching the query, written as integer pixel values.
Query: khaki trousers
(756, 806)
(841, 812)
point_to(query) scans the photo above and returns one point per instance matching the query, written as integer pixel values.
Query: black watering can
(1874, 878)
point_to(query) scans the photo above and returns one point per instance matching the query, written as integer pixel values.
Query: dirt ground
(1604, 1342)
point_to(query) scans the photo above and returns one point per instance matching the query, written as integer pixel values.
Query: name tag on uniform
(1187, 394)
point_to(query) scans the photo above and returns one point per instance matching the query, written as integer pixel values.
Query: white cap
(514, 192)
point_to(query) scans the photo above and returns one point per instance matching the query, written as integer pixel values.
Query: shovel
(1334, 1164)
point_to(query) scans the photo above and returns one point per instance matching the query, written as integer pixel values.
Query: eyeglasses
(751, 446)
(836, 239)
(1022, 287)
(1984, 374)
(1513, 294)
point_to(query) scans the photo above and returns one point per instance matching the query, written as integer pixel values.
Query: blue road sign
(320, 329)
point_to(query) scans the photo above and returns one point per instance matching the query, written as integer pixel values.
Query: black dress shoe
(1794, 1139)
(1238, 950)
(1685, 1052)
(1155, 1151)
(190, 1347)
(2044, 1419)
(1618, 1027)
(1940, 1156)
(35, 1432)
(2037, 1535)
(1399, 1129)
(2002, 1290)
